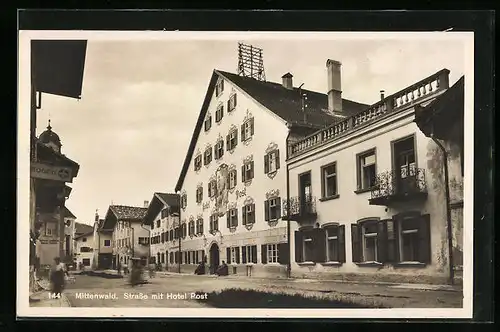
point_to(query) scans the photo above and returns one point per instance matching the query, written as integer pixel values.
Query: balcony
(399, 186)
(301, 209)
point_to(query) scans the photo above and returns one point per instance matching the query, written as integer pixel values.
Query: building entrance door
(214, 258)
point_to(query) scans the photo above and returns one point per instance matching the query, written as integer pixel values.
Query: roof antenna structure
(250, 62)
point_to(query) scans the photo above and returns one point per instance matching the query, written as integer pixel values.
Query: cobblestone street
(402, 296)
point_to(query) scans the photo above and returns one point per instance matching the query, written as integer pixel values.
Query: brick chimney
(382, 94)
(334, 85)
(287, 80)
(96, 216)
(146, 204)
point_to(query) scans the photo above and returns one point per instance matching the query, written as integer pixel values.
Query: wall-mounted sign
(49, 172)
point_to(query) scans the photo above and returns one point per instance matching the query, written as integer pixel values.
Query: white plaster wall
(350, 207)
(268, 128)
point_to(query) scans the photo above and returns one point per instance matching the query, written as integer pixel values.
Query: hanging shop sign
(49, 172)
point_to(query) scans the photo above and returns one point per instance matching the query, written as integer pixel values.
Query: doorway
(305, 191)
(214, 258)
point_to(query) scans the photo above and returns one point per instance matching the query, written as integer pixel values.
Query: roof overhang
(154, 208)
(58, 66)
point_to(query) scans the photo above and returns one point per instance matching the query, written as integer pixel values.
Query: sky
(131, 128)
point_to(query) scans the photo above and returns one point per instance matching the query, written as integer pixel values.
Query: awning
(58, 66)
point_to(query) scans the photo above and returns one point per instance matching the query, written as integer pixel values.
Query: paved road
(171, 285)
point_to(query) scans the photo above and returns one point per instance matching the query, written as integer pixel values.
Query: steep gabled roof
(83, 228)
(68, 214)
(285, 103)
(84, 235)
(124, 212)
(160, 201)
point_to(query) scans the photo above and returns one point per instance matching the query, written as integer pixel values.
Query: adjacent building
(367, 194)
(233, 178)
(69, 235)
(84, 250)
(162, 217)
(103, 249)
(129, 238)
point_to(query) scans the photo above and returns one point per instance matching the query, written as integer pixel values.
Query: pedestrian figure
(57, 276)
(222, 270)
(119, 268)
(200, 269)
(151, 268)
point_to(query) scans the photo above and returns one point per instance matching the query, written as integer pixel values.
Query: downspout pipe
(288, 231)
(448, 209)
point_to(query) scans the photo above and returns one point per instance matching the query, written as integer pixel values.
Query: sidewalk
(41, 298)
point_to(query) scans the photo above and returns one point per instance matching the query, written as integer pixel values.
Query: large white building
(161, 217)
(367, 194)
(84, 250)
(233, 179)
(129, 238)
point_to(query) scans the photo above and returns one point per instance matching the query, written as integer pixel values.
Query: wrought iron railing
(300, 206)
(404, 181)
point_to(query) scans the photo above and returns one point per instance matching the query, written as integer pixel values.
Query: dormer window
(208, 123)
(219, 114)
(219, 149)
(219, 87)
(247, 129)
(197, 163)
(207, 156)
(231, 103)
(232, 140)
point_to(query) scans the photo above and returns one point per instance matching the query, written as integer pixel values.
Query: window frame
(208, 123)
(248, 212)
(232, 102)
(219, 113)
(360, 170)
(324, 179)
(199, 194)
(198, 162)
(248, 125)
(270, 257)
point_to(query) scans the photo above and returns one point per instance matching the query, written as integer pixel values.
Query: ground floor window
(249, 254)
(86, 262)
(271, 253)
(320, 245)
(163, 258)
(233, 255)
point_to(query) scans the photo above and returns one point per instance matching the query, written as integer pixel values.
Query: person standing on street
(57, 276)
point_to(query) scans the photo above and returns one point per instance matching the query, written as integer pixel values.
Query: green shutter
(266, 163)
(298, 247)
(266, 210)
(283, 253)
(424, 233)
(381, 242)
(341, 243)
(263, 254)
(228, 255)
(356, 243)
(319, 244)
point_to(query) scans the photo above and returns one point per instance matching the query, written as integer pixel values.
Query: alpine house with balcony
(233, 180)
(366, 194)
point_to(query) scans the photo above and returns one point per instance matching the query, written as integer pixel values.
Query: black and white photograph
(245, 174)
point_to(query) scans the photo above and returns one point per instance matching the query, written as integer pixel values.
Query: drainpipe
(289, 263)
(448, 208)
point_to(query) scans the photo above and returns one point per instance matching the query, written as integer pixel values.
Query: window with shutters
(212, 188)
(272, 161)
(191, 228)
(183, 201)
(248, 214)
(231, 103)
(247, 171)
(214, 223)
(233, 255)
(184, 230)
(367, 171)
(199, 226)
(199, 194)
(272, 253)
(219, 87)
(208, 122)
(197, 163)
(247, 129)
(329, 180)
(219, 113)
(413, 235)
(308, 248)
(272, 208)
(369, 241)
(207, 156)
(219, 149)
(232, 178)
(332, 243)
(232, 218)
(249, 254)
(232, 140)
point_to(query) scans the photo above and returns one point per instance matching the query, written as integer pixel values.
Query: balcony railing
(403, 99)
(301, 208)
(399, 186)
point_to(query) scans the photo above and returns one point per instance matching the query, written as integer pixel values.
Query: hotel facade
(233, 180)
(367, 195)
